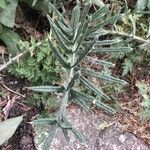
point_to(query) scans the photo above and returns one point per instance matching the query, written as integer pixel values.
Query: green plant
(135, 28)
(71, 42)
(39, 67)
(49, 102)
(145, 104)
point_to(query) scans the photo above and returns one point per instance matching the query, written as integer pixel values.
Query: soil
(23, 137)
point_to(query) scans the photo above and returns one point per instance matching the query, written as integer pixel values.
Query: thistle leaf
(79, 37)
(112, 49)
(84, 52)
(91, 99)
(104, 42)
(85, 12)
(65, 132)
(105, 107)
(64, 29)
(76, 133)
(80, 100)
(99, 13)
(46, 89)
(50, 137)
(75, 18)
(91, 86)
(107, 42)
(59, 37)
(64, 104)
(71, 83)
(81, 103)
(102, 76)
(106, 22)
(59, 33)
(82, 96)
(99, 62)
(44, 121)
(58, 56)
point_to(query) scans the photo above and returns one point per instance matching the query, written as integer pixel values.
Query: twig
(12, 60)
(137, 38)
(17, 57)
(25, 107)
(12, 90)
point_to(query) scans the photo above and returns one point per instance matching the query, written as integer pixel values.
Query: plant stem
(137, 38)
(12, 60)
(16, 58)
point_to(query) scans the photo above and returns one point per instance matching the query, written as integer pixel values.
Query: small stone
(122, 138)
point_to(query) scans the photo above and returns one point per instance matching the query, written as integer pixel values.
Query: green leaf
(107, 42)
(91, 86)
(50, 137)
(81, 103)
(127, 67)
(2, 4)
(99, 62)
(91, 99)
(76, 133)
(80, 100)
(99, 3)
(85, 51)
(11, 39)
(141, 4)
(64, 29)
(44, 121)
(64, 102)
(82, 96)
(102, 76)
(84, 12)
(79, 36)
(34, 2)
(65, 132)
(71, 83)
(58, 56)
(8, 128)
(75, 18)
(112, 49)
(46, 89)
(148, 5)
(99, 13)
(7, 15)
(106, 22)
(59, 35)
(104, 107)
